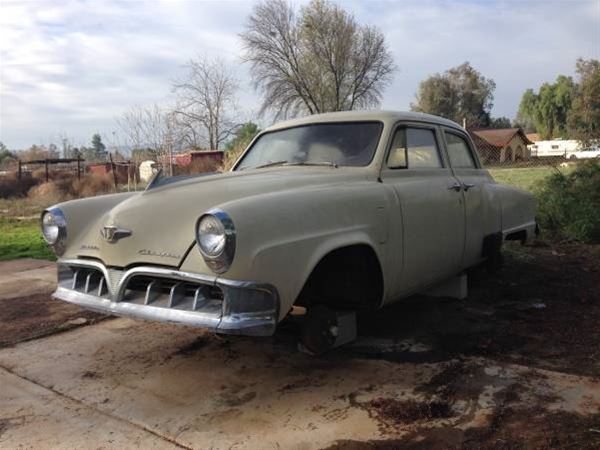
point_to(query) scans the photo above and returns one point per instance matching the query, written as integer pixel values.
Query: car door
(467, 169)
(429, 197)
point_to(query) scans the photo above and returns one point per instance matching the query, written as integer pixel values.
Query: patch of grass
(527, 178)
(22, 239)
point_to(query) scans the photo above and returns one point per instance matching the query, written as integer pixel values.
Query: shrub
(11, 187)
(66, 188)
(569, 205)
(195, 167)
(230, 157)
(93, 185)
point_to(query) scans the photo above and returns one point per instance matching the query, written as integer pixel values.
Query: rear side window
(459, 152)
(414, 148)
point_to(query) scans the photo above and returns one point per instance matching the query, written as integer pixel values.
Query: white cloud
(74, 65)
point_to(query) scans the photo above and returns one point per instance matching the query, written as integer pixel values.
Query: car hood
(162, 220)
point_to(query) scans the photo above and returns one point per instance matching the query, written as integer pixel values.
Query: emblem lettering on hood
(147, 252)
(112, 233)
(89, 247)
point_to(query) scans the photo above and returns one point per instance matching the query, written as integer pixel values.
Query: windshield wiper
(269, 164)
(315, 163)
(299, 163)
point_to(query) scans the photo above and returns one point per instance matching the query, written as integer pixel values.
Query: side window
(459, 152)
(414, 148)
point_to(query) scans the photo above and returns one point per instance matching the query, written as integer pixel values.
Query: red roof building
(207, 160)
(501, 145)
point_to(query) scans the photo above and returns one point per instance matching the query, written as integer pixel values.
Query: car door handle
(467, 186)
(455, 187)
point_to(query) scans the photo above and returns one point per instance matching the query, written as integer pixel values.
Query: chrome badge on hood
(112, 233)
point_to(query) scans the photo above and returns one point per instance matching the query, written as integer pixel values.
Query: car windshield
(335, 144)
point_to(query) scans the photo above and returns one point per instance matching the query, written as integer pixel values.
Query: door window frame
(439, 143)
(472, 151)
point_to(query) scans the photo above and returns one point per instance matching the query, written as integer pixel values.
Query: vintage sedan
(334, 212)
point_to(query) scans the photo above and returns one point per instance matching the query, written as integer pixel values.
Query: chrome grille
(88, 280)
(169, 293)
(142, 289)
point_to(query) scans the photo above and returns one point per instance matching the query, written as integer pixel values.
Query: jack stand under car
(324, 329)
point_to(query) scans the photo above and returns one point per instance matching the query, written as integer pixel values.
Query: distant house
(208, 160)
(121, 170)
(501, 145)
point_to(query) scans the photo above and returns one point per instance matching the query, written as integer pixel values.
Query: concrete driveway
(120, 383)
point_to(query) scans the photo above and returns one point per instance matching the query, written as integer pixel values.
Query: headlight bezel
(221, 261)
(60, 221)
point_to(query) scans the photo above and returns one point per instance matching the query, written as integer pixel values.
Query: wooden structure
(47, 163)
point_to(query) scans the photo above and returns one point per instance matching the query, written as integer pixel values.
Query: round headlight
(54, 229)
(49, 228)
(215, 235)
(211, 236)
(54, 225)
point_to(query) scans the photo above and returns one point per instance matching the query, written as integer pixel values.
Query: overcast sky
(71, 67)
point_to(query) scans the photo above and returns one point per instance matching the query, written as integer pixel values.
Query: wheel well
(346, 278)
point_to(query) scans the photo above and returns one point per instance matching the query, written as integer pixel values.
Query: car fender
(81, 214)
(517, 210)
(282, 236)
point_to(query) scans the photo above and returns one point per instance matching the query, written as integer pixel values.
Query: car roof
(354, 116)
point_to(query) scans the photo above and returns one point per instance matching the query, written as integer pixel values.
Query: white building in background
(146, 170)
(555, 147)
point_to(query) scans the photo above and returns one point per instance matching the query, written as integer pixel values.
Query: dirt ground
(516, 365)
(26, 311)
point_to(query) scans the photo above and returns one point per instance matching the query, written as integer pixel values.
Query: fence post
(46, 165)
(19, 171)
(78, 167)
(112, 168)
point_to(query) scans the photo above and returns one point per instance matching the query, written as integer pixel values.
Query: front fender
(282, 236)
(81, 213)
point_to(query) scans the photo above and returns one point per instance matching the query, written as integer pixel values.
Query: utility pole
(112, 168)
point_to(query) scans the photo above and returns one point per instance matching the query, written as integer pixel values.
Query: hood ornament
(112, 233)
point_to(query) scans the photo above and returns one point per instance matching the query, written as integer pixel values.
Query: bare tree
(318, 61)
(205, 102)
(151, 129)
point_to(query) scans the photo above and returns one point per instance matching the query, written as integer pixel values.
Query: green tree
(500, 122)
(243, 136)
(98, 147)
(525, 115)
(318, 60)
(548, 110)
(460, 93)
(5, 154)
(583, 120)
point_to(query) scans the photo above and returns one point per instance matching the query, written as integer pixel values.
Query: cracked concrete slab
(32, 416)
(23, 277)
(203, 391)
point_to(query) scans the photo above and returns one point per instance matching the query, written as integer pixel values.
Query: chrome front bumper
(168, 295)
